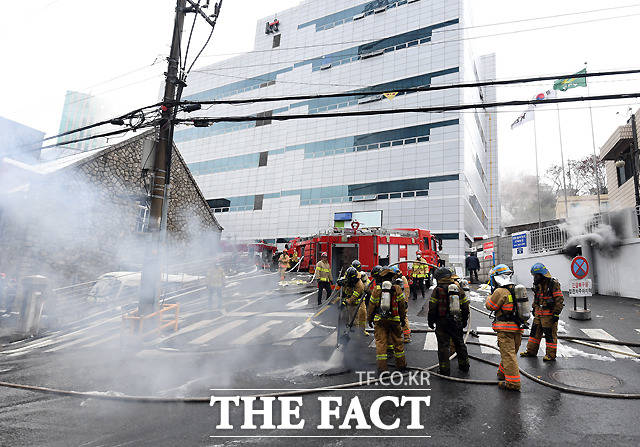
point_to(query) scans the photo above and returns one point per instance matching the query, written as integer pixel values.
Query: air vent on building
(325, 66)
(358, 17)
(368, 99)
(371, 54)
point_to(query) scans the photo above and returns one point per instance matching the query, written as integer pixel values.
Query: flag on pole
(524, 117)
(549, 94)
(575, 81)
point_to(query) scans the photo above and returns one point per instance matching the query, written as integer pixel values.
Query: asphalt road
(263, 342)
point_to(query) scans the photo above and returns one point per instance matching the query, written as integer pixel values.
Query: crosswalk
(286, 327)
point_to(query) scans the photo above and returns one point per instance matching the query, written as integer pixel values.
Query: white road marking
(75, 342)
(303, 301)
(430, 342)
(489, 340)
(331, 340)
(255, 333)
(187, 329)
(104, 340)
(297, 332)
(601, 333)
(217, 332)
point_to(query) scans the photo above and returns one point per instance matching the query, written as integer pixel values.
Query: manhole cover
(584, 378)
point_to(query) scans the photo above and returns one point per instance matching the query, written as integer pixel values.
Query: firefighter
(548, 302)
(324, 277)
(215, 284)
(419, 275)
(365, 281)
(506, 326)
(353, 298)
(387, 309)
(293, 261)
(403, 283)
(449, 314)
(283, 264)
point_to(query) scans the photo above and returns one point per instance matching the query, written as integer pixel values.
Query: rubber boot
(546, 358)
(527, 354)
(504, 386)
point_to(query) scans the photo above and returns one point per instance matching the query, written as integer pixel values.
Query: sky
(116, 50)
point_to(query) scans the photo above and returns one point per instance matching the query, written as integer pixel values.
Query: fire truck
(371, 246)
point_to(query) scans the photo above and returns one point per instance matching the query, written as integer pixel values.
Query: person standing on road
(508, 330)
(449, 314)
(547, 304)
(402, 282)
(215, 284)
(419, 275)
(353, 298)
(323, 276)
(472, 263)
(387, 308)
(283, 264)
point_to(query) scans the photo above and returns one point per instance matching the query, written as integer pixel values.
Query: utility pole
(151, 273)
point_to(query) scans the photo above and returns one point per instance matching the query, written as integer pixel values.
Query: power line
(207, 121)
(443, 30)
(415, 89)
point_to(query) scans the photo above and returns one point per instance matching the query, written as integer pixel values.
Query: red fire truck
(371, 246)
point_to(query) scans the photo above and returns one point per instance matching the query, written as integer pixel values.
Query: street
(264, 342)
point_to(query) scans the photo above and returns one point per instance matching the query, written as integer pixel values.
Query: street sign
(581, 287)
(487, 250)
(579, 267)
(519, 240)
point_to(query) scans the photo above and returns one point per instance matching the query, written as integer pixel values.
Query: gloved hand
(344, 302)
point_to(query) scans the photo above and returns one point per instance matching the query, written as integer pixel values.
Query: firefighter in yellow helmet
(401, 281)
(324, 276)
(387, 308)
(547, 304)
(353, 297)
(509, 332)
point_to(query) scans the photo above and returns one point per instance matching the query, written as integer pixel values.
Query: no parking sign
(580, 267)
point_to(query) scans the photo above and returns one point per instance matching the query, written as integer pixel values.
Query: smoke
(606, 238)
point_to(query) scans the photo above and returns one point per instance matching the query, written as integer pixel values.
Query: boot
(528, 354)
(548, 358)
(505, 386)
(500, 376)
(444, 372)
(464, 367)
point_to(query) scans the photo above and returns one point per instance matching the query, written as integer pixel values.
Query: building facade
(275, 180)
(617, 154)
(80, 109)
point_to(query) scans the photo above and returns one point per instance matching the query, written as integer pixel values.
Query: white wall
(620, 275)
(559, 265)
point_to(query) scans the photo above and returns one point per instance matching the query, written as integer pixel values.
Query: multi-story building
(273, 179)
(80, 109)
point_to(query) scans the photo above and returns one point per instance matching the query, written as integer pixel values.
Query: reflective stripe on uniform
(491, 305)
(506, 326)
(535, 341)
(513, 379)
(399, 354)
(544, 313)
(381, 357)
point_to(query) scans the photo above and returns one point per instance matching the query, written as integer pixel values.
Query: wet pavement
(264, 343)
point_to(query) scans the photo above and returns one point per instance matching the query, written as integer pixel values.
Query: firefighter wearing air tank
(401, 281)
(547, 304)
(510, 304)
(387, 308)
(353, 297)
(449, 314)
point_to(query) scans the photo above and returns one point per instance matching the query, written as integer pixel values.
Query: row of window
(380, 46)
(315, 105)
(326, 148)
(392, 189)
(355, 13)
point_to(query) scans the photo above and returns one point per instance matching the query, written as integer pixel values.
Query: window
(276, 41)
(257, 201)
(625, 172)
(142, 221)
(264, 157)
(264, 115)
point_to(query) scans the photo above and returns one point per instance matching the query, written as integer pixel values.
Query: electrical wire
(205, 121)
(193, 25)
(428, 88)
(213, 26)
(439, 30)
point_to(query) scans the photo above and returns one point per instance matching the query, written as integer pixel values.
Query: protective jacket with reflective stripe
(398, 305)
(548, 300)
(501, 302)
(323, 271)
